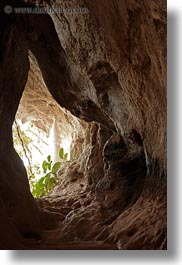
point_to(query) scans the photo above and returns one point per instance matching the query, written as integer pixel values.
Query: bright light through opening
(37, 144)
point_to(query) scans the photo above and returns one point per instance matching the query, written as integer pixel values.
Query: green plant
(24, 144)
(43, 186)
(62, 154)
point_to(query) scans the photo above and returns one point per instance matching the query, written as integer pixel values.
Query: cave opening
(45, 136)
(99, 174)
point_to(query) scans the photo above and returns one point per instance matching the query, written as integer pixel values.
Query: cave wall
(15, 194)
(94, 77)
(106, 66)
(104, 56)
(125, 40)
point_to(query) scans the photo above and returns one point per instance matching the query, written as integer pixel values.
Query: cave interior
(97, 82)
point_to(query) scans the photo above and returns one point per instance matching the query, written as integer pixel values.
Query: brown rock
(106, 69)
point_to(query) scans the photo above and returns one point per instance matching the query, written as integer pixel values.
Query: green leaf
(61, 153)
(55, 167)
(44, 166)
(37, 190)
(66, 156)
(49, 165)
(51, 184)
(47, 178)
(49, 158)
(41, 180)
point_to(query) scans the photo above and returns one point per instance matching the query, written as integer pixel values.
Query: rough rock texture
(125, 41)
(38, 106)
(125, 172)
(108, 67)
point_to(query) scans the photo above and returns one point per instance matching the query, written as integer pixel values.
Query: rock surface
(106, 69)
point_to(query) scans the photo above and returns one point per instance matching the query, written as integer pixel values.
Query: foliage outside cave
(42, 176)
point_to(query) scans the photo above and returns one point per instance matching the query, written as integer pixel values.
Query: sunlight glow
(38, 144)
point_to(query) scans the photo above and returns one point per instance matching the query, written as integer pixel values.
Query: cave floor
(82, 224)
(80, 221)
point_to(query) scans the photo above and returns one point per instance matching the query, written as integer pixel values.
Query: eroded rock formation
(107, 67)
